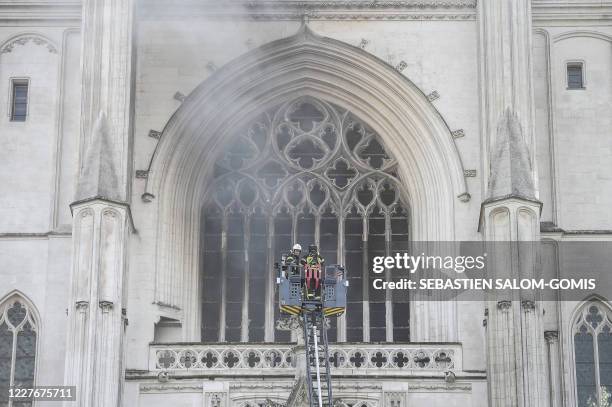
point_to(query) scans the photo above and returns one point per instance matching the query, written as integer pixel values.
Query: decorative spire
(99, 177)
(511, 169)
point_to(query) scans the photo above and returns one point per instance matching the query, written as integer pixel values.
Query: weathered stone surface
(511, 169)
(99, 176)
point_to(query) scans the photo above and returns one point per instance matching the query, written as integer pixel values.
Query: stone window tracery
(310, 172)
(18, 335)
(593, 355)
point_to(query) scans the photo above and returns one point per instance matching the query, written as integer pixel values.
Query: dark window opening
(311, 173)
(18, 336)
(593, 360)
(19, 104)
(575, 77)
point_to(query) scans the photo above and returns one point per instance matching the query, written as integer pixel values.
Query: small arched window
(18, 335)
(593, 355)
(309, 172)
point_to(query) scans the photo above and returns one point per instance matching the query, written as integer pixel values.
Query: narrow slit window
(19, 105)
(575, 76)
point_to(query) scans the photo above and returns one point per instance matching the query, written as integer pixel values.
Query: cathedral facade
(159, 156)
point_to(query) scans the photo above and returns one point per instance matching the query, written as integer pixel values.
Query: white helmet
(297, 247)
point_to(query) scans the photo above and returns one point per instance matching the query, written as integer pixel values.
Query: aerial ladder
(296, 297)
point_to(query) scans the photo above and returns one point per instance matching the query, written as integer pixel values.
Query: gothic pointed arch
(19, 334)
(591, 344)
(303, 65)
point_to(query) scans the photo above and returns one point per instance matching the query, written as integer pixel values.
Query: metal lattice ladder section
(317, 360)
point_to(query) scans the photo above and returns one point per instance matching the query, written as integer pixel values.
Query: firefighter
(313, 264)
(292, 259)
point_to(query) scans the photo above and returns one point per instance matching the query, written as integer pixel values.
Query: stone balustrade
(271, 358)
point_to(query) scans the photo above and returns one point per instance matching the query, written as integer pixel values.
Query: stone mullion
(365, 287)
(388, 292)
(270, 281)
(596, 365)
(294, 228)
(244, 328)
(223, 296)
(13, 357)
(317, 232)
(341, 322)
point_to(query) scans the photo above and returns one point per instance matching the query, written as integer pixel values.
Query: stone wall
(177, 50)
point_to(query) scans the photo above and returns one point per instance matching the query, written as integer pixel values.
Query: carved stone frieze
(360, 4)
(440, 387)
(24, 39)
(264, 386)
(170, 387)
(321, 10)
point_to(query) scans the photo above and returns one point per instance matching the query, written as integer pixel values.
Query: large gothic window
(593, 355)
(312, 173)
(17, 349)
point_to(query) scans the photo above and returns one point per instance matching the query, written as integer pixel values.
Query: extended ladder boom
(317, 360)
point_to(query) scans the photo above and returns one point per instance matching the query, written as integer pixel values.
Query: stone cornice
(511, 197)
(35, 235)
(102, 199)
(543, 10)
(356, 4)
(36, 10)
(312, 9)
(557, 11)
(501, 200)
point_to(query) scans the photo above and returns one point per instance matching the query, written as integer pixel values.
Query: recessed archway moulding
(303, 64)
